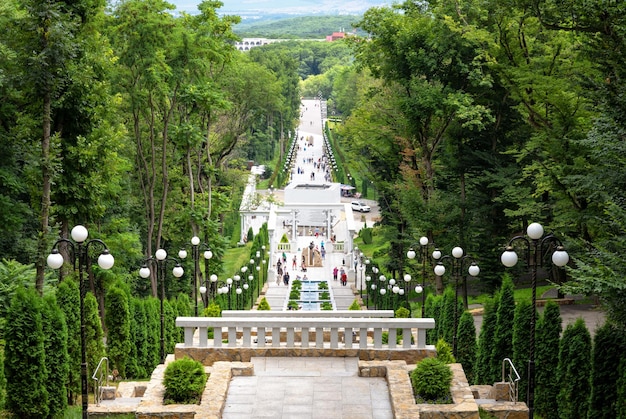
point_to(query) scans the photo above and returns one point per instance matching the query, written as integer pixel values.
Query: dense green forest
(469, 119)
(301, 27)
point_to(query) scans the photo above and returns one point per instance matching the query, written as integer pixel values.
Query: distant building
(248, 43)
(335, 36)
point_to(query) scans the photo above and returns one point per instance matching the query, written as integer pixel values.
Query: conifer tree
(467, 348)
(25, 357)
(171, 332)
(446, 316)
(547, 360)
(521, 344)
(485, 342)
(57, 357)
(621, 389)
(117, 320)
(68, 299)
(3, 381)
(574, 371)
(432, 308)
(139, 336)
(608, 345)
(93, 333)
(503, 338)
(153, 323)
(183, 309)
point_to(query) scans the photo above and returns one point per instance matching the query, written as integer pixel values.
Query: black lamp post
(457, 261)
(372, 287)
(208, 288)
(538, 247)
(161, 259)
(424, 244)
(224, 288)
(195, 280)
(80, 247)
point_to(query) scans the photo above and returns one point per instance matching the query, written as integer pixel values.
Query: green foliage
(521, 341)
(466, 348)
(355, 305)
(608, 346)
(93, 333)
(250, 235)
(184, 381)
(431, 379)
(366, 235)
(295, 27)
(118, 323)
(502, 346)
(68, 298)
(621, 389)
(484, 372)
(212, 310)
(25, 357)
(294, 295)
(153, 327)
(171, 331)
(326, 305)
(402, 313)
(3, 380)
(444, 352)
(547, 355)
(323, 285)
(264, 305)
(574, 371)
(57, 357)
(139, 336)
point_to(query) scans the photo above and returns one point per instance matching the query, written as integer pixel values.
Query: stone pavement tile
(298, 400)
(325, 396)
(298, 409)
(356, 411)
(382, 413)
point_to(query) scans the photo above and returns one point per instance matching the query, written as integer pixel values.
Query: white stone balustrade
(251, 332)
(312, 313)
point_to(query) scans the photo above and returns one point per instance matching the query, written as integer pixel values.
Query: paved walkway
(303, 388)
(307, 388)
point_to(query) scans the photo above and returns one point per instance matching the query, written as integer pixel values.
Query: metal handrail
(512, 380)
(98, 376)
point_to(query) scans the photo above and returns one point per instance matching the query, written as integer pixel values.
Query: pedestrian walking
(335, 272)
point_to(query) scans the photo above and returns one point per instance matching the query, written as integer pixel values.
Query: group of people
(341, 274)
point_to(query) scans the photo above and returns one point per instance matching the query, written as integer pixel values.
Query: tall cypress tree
(608, 346)
(153, 324)
(117, 320)
(621, 390)
(93, 334)
(547, 361)
(521, 343)
(432, 309)
(57, 357)
(68, 298)
(485, 342)
(446, 316)
(25, 363)
(467, 348)
(574, 371)
(503, 338)
(138, 335)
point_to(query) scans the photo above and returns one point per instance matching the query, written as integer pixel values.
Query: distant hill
(259, 9)
(296, 27)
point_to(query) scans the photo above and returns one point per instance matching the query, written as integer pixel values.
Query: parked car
(360, 206)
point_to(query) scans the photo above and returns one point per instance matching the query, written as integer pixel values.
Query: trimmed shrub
(444, 352)
(355, 305)
(264, 305)
(431, 380)
(366, 235)
(184, 381)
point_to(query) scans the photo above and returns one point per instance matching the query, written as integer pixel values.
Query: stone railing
(318, 333)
